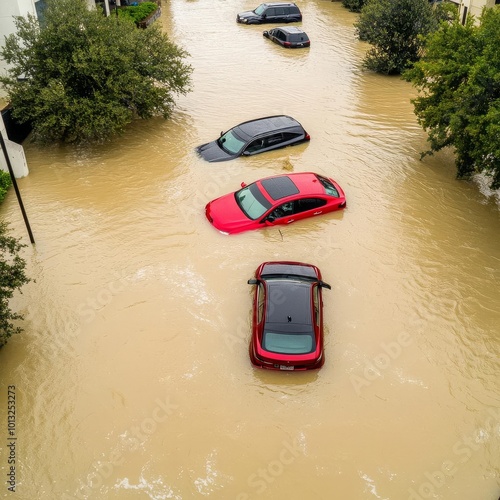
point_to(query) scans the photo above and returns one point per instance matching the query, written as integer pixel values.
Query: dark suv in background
(271, 13)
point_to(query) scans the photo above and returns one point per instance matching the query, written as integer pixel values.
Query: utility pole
(14, 183)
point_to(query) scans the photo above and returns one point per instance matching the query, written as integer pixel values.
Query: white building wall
(9, 9)
(16, 155)
(474, 8)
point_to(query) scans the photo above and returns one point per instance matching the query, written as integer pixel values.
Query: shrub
(353, 5)
(12, 278)
(5, 183)
(137, 13)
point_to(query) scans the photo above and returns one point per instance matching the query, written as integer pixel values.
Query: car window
(261, 296)
(284, 210)
(255, 146)
(299, 37)
(281, 35)
(329, 187)
(279, 11)
(294, 10)
(252, 201)
(316, 304)
(230, 142)
(270, 12)
(296, 343)
(290, 136)
(260, 9)
(274, 139)
(308, 204)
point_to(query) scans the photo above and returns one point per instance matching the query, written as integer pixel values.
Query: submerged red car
(280, 199)
(287, 320)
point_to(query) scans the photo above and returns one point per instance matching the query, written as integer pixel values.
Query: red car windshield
(252, 201)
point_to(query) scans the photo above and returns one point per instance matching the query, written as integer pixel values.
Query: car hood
(226, 216)
(247, 14)
(212, 152)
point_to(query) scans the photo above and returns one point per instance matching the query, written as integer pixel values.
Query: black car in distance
(288, 36)
(253, 137)
(271, 13)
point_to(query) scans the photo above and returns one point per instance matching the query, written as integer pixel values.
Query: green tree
(394, 29)
(136, 13)
(12, 277)
(353, 5)
(5, 183)
(81, 76)
(458, 79)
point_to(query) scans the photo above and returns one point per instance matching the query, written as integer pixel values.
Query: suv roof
(291, 30)
(276, 4)
(267, 124)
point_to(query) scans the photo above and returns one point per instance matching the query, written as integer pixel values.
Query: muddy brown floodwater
(132, 377)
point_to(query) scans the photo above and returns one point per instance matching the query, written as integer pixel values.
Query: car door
(279, 36)
(279, 15)
(272, 34)
(293, 14)
(269, 15)
(282, 214)
(309, 207)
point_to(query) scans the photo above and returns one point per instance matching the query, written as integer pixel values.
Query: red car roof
(282, 186)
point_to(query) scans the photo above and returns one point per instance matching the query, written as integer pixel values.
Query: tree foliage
(394, 29)
(12, 277)
(353, 5)
(459, 101)
(81, 76)
(136, 13)
(5, 183)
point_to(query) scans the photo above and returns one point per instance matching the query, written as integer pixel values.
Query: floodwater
(132, 377)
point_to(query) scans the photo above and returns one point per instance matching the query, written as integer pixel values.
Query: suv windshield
(230, 142)
(260, 10)
(252, 202)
